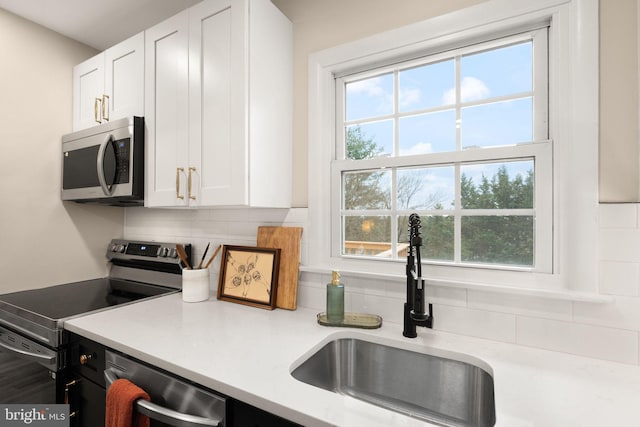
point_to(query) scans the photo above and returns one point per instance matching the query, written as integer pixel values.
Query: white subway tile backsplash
(517, 304)
(390, 309)
(620, 244)
(585, 340)
(623, 313)
(311, 296)
(477, 323)
(618, 215)
(604, 331)
(446, 296)
(620, 278)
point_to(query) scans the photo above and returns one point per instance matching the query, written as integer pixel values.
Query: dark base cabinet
(85, 393)
(90, 409)
(85, 390)
(244, 415)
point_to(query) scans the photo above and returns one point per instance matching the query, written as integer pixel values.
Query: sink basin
(433, 388)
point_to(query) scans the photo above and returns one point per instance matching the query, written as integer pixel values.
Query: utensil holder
(195, 285)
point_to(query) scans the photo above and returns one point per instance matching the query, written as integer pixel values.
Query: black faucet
(414, 314)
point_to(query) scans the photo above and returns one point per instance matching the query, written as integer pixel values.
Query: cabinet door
(166, 107)
(88, 83)
(217, 154)
(124, 79)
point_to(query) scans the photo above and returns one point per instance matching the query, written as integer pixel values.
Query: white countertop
(248, 353)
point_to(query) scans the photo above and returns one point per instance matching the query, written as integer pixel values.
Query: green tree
(364, 190)
(504, 239)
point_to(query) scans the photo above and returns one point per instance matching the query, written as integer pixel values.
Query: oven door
(28, 370)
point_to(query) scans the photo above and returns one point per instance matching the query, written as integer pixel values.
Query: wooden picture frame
(249, 275)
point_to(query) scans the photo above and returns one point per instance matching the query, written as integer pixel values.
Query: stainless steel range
(33, 344)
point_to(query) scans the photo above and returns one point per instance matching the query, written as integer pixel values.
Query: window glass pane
(366, 190)
(507, 185)
(428, 133)
(497, 72)
(367, 236)
(369, 98)
(425, 188)
(497, 123)
(506, 240)
(369, 140)
(437, 237)
(413, 118)
(428, 86)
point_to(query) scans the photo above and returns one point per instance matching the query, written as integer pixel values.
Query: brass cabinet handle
(67, 399)
(191, 170)
(105, 110)
(84, 358)
(178, 195)
(96, 103)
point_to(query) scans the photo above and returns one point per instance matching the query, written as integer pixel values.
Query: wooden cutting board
(288, 240)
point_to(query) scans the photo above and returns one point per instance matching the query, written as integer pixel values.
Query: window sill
(554, 294)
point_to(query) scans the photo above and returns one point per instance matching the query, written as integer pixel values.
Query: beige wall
(619, 151)
(43, 240)
(322, 24)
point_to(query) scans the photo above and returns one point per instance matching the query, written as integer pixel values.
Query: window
(459, 137)
(392, 112)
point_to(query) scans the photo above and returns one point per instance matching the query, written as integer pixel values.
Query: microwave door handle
(106, 188)
(162, 414)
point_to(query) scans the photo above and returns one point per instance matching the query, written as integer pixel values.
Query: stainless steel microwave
(105, 164)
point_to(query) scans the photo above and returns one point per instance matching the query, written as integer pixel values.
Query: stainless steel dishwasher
(174, 402)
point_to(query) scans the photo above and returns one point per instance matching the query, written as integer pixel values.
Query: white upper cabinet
(218, 97)
(110, 85)
(167, 106)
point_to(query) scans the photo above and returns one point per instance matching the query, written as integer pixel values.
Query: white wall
(44, 241)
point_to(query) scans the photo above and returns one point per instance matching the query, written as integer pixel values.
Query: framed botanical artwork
(249, 275)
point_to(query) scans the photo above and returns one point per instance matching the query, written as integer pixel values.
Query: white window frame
(539, 149)
(573, 126)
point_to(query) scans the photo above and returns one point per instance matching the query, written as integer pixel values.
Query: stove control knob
(164, 252)
(173, 253)
(120, 248)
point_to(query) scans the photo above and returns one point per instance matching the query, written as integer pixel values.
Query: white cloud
(471, 90)
(409, 97)
(419, 148)
(372, 87)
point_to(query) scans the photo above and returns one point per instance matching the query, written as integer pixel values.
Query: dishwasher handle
(162, 414)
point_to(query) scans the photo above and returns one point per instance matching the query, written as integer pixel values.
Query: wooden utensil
(182, 254)
(213, 256)
(288, 240)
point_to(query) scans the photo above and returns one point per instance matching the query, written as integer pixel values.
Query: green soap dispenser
(335, 299)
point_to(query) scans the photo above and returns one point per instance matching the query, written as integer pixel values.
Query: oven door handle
(40, 358)
(162, 414)
(107, 188)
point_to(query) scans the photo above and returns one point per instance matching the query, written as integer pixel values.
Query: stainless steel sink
(433, 388)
